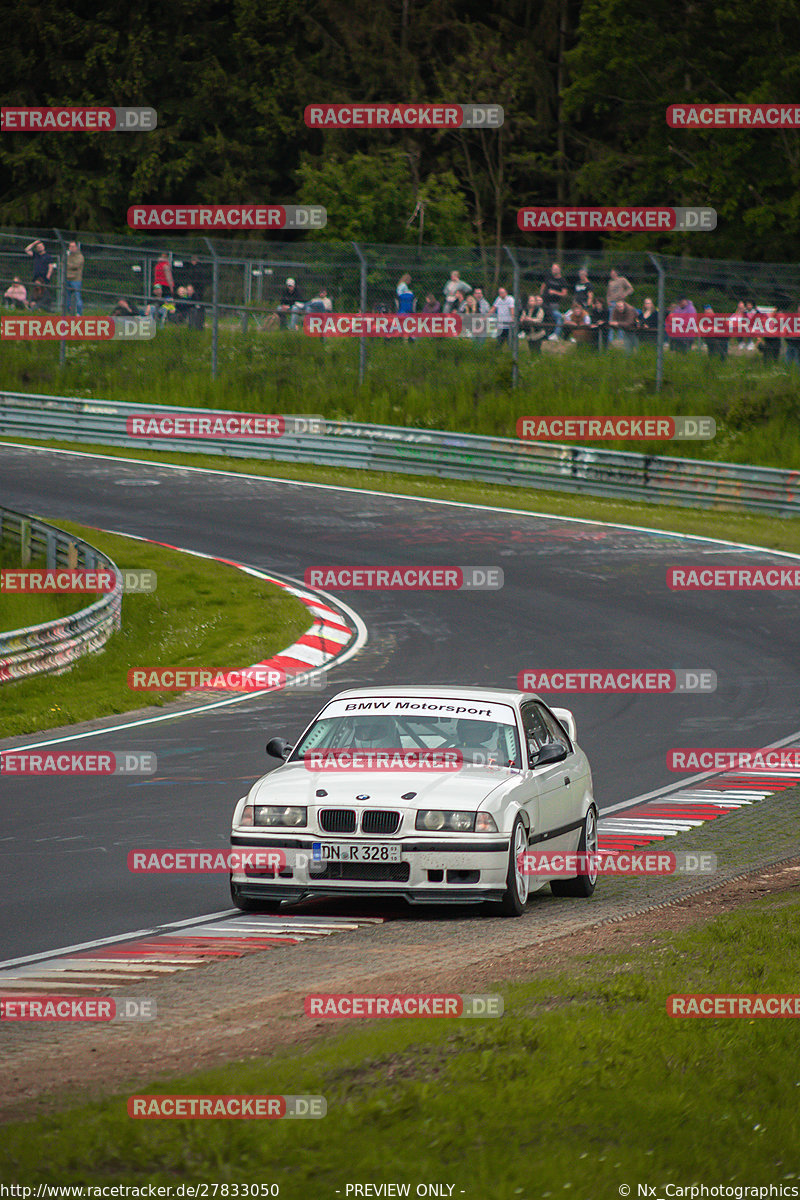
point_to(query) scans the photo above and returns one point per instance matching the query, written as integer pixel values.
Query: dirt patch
(47, 1073)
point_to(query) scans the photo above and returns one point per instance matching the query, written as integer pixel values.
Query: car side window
(536, 732)
(554, 728)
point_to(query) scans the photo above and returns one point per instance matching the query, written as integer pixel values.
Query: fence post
(362, 304)
(25, 542)
(662, 317)
(515, 326)
(214, 311)
(62, 293)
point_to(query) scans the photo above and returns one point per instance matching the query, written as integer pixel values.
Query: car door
(574, 772)
(556, 829)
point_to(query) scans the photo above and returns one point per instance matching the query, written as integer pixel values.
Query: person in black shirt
(648, 322)
(582, 288)
(198, 276)
(43, 266)
(291, 304)
(599, 323)
(554, 293)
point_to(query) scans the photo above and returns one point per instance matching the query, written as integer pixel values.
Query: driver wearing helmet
(372, 732)
(478, 741)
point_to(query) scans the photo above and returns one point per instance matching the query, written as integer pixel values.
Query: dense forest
(584, 85)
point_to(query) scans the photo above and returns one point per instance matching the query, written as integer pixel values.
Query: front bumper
(430, 871)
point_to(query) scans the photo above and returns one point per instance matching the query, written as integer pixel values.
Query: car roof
(456, 693)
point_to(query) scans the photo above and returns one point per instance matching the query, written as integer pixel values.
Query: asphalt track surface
(576, 595)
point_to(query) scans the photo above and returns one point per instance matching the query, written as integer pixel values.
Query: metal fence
(241, 284)
(54, 647)
(658, 479)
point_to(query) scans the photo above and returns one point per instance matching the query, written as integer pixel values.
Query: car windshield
(481, 743)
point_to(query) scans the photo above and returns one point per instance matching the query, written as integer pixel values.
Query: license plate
(354, 852)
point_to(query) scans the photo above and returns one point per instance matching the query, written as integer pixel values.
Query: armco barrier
(657, 479)
(54, 647)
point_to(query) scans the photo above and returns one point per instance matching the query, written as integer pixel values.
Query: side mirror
(552, 752)
(278, 748)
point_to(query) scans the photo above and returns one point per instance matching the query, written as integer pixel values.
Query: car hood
(469, 788)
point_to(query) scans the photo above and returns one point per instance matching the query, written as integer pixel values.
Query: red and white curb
(322, 642)
(166, 951)
(329, 637)
(685, 809)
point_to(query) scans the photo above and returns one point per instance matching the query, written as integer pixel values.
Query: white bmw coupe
(431, 794)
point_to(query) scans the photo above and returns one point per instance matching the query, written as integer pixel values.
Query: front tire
(582, 885)
(517, 886)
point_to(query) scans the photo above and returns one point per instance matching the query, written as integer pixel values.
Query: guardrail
(658, 479)
(53, 647)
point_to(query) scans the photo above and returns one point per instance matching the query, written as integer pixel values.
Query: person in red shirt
(163, 277)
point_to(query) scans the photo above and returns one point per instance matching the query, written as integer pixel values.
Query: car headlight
(274, 815)
(433, 819)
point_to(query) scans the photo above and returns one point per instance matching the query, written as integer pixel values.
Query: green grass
(202, 614)
(19, 610)
(583, 1085)
(430, 385)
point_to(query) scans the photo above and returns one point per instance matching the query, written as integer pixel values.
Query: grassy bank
(431, 385)
(202, 614)
(583, 1087)
(18, 610)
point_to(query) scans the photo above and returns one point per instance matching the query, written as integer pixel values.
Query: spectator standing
(583, 288)
(16, 295)
(405, 297)
(619, 288)
(454, 284)
(481, 307)
(623, 320)
(431, 304)
(717, 347)
(554, 294)
(648, 322)
(43, 266)
(162, 276)
(74, 278)
(291, 303)
(531, 323)
(739, 312)
(750, 311)
(460, 302)
(198, 275)
(682, 344)
(503, 307)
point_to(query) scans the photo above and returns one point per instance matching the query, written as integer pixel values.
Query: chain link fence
(241, 285)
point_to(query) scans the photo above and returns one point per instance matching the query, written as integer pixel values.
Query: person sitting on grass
(16, 295)
(576, 324)
(124, 308)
